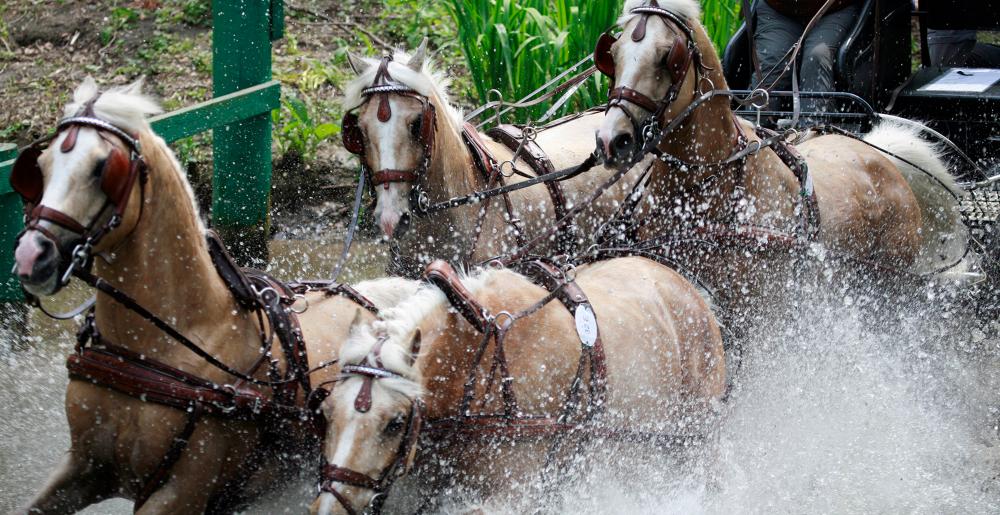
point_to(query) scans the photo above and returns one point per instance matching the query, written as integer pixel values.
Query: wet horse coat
(874, 209)
(664, 361)
(158, 255)
(390, 136)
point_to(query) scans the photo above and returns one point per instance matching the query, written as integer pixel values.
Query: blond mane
(128, 108)
(689, 9)
(428, 82)
(397, 325)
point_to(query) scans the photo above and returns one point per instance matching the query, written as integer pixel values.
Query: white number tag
(586, 325)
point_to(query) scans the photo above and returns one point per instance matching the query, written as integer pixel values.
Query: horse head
(653, 68)
(78, 185)
(391, 124)
(374, 415)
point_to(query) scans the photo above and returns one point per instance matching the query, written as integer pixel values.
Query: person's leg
(774, 34)
(984, 56)
(950, 47)
(819, 51)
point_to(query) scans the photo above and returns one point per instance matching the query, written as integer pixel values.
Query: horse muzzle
(616, 148)
(38, 263)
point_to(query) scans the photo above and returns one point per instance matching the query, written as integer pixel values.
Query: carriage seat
(967, 118)
(869, 70)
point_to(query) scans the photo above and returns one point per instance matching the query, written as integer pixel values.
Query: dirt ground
(47, 47)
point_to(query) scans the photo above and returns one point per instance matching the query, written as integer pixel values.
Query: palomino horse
(873, 208)
(418, 149)
(420, 369)
(156, 251)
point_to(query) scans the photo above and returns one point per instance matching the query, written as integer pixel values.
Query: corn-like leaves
(515, 46)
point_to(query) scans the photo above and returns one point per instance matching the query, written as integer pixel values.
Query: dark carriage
(875, 73)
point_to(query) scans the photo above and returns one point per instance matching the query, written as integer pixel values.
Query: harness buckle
(78, 260)
(297, 297)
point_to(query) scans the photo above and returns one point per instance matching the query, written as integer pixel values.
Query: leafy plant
(296, 130)
(515, 46)
(721, 19)
(121, 18)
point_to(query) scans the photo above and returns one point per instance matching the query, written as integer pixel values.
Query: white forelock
(398, 325)
(124, 106)
(689, 9)
(427, 82)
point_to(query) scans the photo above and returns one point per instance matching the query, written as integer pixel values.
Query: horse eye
(415, 128)
(395, 425)
(99, 168)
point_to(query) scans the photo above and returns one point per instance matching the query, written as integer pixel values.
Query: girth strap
(160, 476)
(578, 305)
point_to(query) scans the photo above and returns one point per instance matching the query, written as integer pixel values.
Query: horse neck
(708, 135)
(443, 363)
(452, 173)
(452, 169)
(164, 265)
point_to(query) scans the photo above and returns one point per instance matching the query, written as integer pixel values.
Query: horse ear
(417, 61)
(85, 91)
(134, 88)
(358, 64)
(415, 346)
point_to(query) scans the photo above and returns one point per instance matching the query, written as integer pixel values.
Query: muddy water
(840, 408)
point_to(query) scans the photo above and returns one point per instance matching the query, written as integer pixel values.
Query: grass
(515, 46)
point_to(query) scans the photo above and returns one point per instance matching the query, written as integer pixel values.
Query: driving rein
(652, 131)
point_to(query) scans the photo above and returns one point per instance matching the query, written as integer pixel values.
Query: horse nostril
(622, 143)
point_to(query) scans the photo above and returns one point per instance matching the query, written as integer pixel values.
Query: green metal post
(241, 49)
(11, 223)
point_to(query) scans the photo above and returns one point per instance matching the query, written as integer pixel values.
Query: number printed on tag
(586, 325)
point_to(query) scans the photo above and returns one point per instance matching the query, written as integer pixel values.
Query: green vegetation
(515, 46)
(721, 19)
(296, 130)
(121, 18)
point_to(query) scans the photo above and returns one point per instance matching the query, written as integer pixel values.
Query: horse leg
(200, 473)
(74, 485)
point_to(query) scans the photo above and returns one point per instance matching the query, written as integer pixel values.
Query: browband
(100, 124)
(363, 370)
(387, 88)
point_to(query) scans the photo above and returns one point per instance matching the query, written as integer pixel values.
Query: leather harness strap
(791, 157)
(487, 164)
(442, 275)
(495, 327)
(527, 149)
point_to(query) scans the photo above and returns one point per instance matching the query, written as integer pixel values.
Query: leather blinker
(351, 134)
(26, 175)
(604, 60)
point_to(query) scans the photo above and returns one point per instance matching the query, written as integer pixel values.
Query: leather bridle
(678, 62)
(330, 474)
(118, 177)
(382, 87)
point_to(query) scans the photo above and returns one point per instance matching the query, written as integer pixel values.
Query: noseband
(331, 473)
(678, 62)
(118, 178)
(382, 86)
